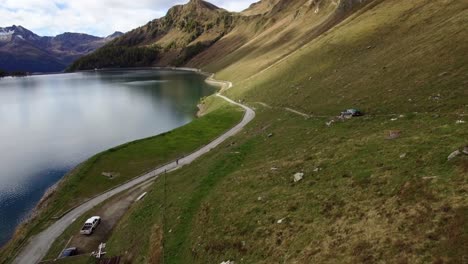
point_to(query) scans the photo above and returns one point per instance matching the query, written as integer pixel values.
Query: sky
(96, 17)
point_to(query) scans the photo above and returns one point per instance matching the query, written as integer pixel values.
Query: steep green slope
(272, 36)
(396, 57)
(376, 189)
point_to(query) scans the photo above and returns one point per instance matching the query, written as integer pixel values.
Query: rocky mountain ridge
(23, 50)
(195, 34)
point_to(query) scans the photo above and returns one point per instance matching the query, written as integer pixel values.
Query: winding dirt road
(37, 247)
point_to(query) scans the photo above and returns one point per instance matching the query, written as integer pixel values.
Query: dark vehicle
(352, 112)
(68, 252)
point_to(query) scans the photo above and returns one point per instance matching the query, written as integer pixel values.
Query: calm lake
(51, 123)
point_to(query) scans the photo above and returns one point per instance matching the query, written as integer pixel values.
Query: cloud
(101, 18)
(231, 5)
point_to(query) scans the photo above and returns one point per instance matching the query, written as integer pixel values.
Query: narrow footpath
(37, 247)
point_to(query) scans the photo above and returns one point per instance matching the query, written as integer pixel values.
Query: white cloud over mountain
(97, 17)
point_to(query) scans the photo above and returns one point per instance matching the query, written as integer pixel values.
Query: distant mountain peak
(115, 35)
(202, 3)
(22, 50)
(17, 33)
(19, 27)
(76, 37)
(196, 5)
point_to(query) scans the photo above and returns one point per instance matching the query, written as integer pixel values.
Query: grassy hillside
(395, 57)
(366, 196)
(359, 201)
(257, 43)
(375, 189)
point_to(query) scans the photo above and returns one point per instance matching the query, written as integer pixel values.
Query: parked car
(68, 252)
(90, 225)
(352, 112)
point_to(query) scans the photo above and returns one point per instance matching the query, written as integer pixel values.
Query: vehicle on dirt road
(90, 225)
(68, 252)
(352, 112)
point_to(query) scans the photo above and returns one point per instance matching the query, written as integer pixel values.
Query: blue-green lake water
(51, 123)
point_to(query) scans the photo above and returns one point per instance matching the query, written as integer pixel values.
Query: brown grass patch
(156, 246)
(464, 166)
(454, 238)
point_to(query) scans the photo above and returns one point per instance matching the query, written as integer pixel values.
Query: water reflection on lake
(50, 123)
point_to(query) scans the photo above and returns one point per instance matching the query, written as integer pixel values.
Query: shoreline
(40, 243)
(49, 192)
(186, 69)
